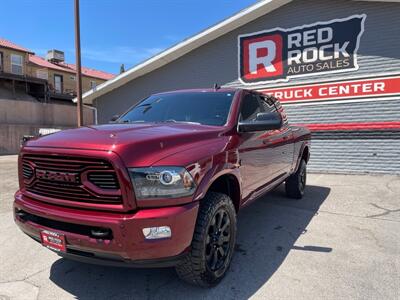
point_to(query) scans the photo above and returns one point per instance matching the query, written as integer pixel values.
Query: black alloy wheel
(218, 241)
(213, 242)
(296, 183)
(302, 181)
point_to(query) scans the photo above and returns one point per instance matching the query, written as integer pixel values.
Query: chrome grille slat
(104, 180)
(27, 171)
(81, 199)
(61, 188)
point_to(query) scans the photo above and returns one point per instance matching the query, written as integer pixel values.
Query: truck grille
(71, 178)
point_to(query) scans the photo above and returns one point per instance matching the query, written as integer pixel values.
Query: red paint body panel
(257, 161)
(128, 242)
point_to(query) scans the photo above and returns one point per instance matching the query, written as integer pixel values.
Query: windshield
(207, 108)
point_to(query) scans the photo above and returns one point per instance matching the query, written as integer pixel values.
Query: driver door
(257, 152)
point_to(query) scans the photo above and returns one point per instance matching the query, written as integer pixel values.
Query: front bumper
(126, 244)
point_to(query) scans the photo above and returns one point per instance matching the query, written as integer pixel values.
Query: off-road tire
(195, 268)
(296, 183)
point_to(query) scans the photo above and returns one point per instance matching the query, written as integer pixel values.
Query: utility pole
(78, 66)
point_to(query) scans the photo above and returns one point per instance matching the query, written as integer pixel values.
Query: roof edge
(15, 47)
(19, 50)
(241, 18)
(66, 67)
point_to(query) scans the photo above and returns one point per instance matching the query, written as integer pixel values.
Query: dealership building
(334, 65)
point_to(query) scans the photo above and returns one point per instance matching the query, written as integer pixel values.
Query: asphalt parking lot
(342, 241)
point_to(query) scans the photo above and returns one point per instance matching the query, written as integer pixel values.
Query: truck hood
(136, 144)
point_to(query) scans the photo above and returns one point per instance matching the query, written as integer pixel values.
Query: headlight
(162, 182)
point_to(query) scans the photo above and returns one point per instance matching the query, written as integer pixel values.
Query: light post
(78, 66)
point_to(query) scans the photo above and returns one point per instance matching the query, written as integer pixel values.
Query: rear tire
(296, 183)
(213, 242)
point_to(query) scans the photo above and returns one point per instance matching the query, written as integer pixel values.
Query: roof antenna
(216, 86)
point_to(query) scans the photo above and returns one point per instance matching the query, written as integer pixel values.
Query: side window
(17, 64)
(250, 108)
(266, 104)
(273, 105)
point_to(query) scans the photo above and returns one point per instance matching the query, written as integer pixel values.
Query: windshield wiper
(175, 121)
(130, 121)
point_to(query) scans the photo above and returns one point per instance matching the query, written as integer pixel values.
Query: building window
(58, 83)
(16, 64)
(93, 84)
(42, 74)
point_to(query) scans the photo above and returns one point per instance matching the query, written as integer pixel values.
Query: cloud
(120, 54)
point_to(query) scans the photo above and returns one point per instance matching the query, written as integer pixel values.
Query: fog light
(161, 232)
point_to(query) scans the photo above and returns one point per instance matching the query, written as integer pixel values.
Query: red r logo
(261, 57)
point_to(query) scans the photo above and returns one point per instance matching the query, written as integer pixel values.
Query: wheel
(213, 242)
(296, 183)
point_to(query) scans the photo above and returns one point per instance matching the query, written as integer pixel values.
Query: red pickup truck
(160, 186)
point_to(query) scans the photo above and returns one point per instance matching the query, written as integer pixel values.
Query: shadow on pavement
(267, 231)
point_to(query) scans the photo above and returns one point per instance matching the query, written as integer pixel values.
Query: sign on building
(349, 89)
(279, 54)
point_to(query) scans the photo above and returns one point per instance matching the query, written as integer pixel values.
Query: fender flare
(303, 147)
(214, 174)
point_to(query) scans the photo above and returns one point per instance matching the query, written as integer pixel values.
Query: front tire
(213, 242)
(296, 183)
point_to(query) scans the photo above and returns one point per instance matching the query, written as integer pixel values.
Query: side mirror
(114, 118)
(264, 121)
(26, 138)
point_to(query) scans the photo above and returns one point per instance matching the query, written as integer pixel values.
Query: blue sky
(112, 31)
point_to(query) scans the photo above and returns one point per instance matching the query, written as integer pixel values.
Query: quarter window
(273, 105)
(16, 64)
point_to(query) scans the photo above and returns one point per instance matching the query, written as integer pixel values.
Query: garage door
(355, 137)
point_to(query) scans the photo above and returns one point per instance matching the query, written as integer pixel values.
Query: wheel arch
(304, 153)
(225, 181)
(227, 184)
